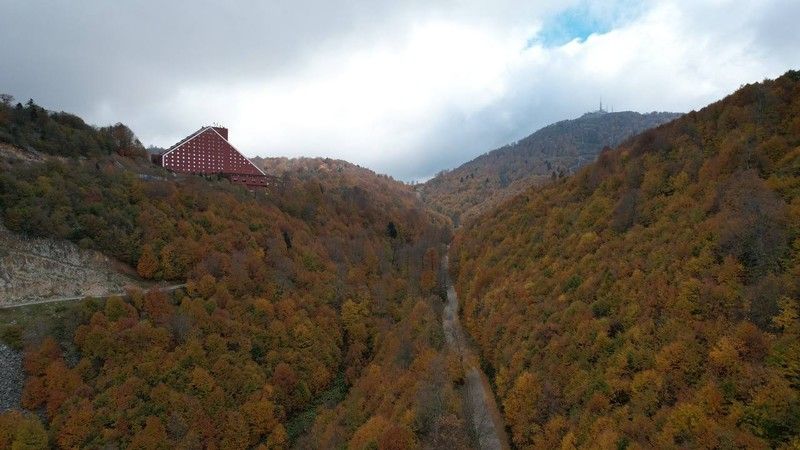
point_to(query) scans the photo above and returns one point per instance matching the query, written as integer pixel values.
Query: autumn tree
(148, 264)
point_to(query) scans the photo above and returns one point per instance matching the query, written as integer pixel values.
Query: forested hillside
(651, 300)
(296, 300)
(32, 127)
(552, 152)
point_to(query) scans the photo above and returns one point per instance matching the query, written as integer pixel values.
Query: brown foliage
(651, 300)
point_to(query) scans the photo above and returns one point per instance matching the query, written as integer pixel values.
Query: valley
(414, 225)
(643, 294)
(485, 416)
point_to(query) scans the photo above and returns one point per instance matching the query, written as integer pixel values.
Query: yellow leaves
(148, 263)
(575, 387)
(710, 398)
(724, 356)
(503, 381)
(603, 435)
(598, 403)
(250, 306)
(380, 433)
(301, 333)
(594, 212)
(672, 357)
(654, 182)
(680, 181)
(787, 349)
(588, 242)
(201, 381)
(788, 319)
(730, 272)
(354, 318)
(265, 307)
(366, 436)
(688, 425)
(646, 390)
(695, 276)
(152, 437)
(204, 287)
(278, 439)
(21, 432)
(427, 280)
(455, 369)
(569, 442)
(521, 408)
(688, 301)
(235, 432)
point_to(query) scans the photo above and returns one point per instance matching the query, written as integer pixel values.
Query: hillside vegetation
(552, 152)
(31, 127)
(296, 300)
(651, 300)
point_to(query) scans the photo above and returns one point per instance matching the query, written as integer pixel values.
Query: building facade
(208, 152)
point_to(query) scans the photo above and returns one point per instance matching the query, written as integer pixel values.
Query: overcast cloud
(405, 88)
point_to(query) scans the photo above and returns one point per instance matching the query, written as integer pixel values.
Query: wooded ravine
(644, 297)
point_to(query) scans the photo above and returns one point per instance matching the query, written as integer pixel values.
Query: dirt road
(485, 416)
(81, 297)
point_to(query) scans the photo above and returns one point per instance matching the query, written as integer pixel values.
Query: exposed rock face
(11, 378)
(11, 152)
(45, 269)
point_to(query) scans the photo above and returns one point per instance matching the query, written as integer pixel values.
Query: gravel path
(11, 378)
(81, 297)
(486, 418)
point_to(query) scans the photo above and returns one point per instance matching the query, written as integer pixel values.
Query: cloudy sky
(403, 87)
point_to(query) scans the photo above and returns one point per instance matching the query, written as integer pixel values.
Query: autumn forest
(645, 296)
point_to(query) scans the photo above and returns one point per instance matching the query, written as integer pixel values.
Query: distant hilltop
(552, 152)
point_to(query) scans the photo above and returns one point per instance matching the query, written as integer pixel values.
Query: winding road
(485, 415)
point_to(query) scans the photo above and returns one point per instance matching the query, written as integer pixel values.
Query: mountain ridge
(550, 152)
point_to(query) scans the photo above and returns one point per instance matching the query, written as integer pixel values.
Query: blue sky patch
(583, 20)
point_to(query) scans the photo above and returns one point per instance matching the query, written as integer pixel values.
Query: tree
(157, 306)
(18, 432)
(148, 264)
(76, 428)
(235, 434)
(152, 436)
(522, 408)
(277, 438)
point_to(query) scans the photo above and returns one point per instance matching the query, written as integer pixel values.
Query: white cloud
(403, 87)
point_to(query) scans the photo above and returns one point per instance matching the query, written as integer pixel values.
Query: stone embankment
(40, 269)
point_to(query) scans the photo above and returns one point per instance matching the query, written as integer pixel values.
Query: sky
(405, 88)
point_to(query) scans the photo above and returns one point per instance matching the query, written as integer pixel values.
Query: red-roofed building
(208, 152)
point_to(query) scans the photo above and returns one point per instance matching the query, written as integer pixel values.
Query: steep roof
(203, 130)
(184, 140)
